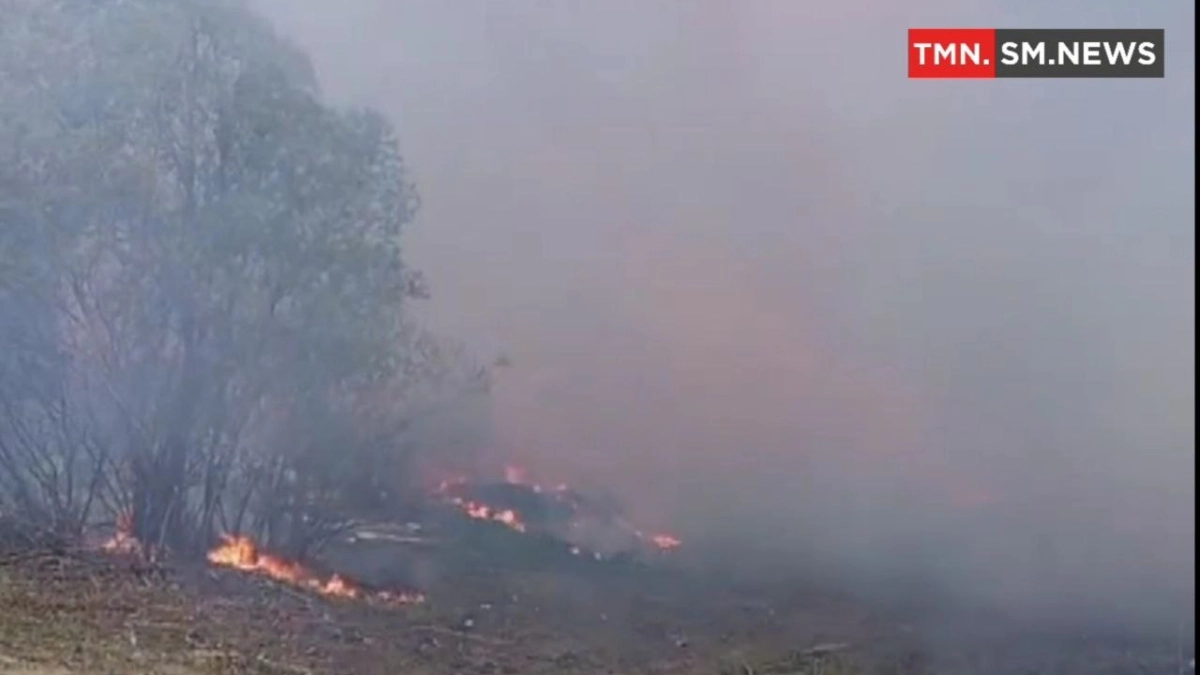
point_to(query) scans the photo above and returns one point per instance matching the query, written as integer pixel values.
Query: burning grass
(526, 506)
(87, 612)
(242, 554)
(502, 602)
(90, 612)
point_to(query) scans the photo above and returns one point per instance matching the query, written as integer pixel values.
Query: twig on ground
(459, 634)
(283, 667)
(19, 558)
(826, 649)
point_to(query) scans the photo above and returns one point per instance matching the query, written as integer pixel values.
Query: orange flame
(123, 542)
(662, 542)
(665, 542)
(517, 475)
(241, 553)
(480, 511)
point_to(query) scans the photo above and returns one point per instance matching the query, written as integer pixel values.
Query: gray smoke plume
(801, 308)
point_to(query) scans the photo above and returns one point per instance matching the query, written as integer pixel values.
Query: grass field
(87, 613)
(84, 613)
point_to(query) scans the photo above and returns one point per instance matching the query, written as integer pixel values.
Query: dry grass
(88, 615)
(83, 613)
(490, 612)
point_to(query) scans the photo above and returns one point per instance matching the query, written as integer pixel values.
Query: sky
(783, 299)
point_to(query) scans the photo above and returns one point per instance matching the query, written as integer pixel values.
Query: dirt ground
(85, 613)
(82, 613)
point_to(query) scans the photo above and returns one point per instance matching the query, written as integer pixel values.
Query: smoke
(799, 307)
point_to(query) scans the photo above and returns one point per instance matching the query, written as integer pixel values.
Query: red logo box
(952, 53)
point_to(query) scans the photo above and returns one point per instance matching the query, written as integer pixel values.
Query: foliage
(202, 287)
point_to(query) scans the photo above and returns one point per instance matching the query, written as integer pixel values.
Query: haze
(793, 305)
